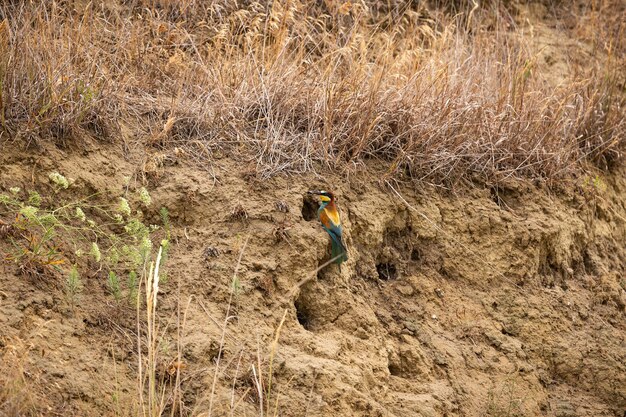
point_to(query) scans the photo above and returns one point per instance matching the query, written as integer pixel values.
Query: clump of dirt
(501, 301)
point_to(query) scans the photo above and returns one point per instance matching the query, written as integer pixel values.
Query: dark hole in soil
(394, 369)
(322, 274)
(309, 209)
(386, 271)
(589, 264)
(303, 314)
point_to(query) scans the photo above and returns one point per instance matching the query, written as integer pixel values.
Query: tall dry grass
(436, 92)
(17, 396)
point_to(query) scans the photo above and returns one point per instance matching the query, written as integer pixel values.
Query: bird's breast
(330, 217)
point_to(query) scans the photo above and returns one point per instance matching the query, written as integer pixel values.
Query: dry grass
(17, 394)
(436, 93)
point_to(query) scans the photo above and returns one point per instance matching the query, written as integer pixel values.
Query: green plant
(113, 284)
(165, 219)
(124, 207)
(124, 250)
(109, 237)
(88, 228)
(59, 181)
(133, 284)
(73, 285)
(144, 196)
(236, 286)
(595, 185)
(34, 199)
(34, 250)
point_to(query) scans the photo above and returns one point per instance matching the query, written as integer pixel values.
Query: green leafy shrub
(108, 237)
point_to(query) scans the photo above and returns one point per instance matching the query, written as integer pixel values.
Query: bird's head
(324, 196)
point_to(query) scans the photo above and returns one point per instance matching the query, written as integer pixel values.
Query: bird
(329, 216)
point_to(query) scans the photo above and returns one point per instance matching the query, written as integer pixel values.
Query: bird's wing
(336, 232)
(330, 220)
(333, 214)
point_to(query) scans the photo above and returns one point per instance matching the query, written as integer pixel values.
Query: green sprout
(59, 180)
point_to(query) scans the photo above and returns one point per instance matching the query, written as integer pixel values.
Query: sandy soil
(501, 301)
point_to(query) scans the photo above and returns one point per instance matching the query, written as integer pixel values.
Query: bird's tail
(337, 249)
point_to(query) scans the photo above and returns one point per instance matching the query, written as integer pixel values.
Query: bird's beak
(313, 192)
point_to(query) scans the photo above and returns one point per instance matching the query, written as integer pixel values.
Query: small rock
(282, 206)
(362, 334)
(493, 339)
(57, 373)
(411, 327)
(511, 328)
(405, 290)
(210, 252)
(441, 360)
(564, 408)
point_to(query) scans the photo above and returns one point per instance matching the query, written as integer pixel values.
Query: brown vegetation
(437, 91)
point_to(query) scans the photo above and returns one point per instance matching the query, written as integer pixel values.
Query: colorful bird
(329, 216)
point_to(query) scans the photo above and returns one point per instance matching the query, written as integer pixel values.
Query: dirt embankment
(506, 301)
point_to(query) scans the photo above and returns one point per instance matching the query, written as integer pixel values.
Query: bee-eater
(329, 216)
